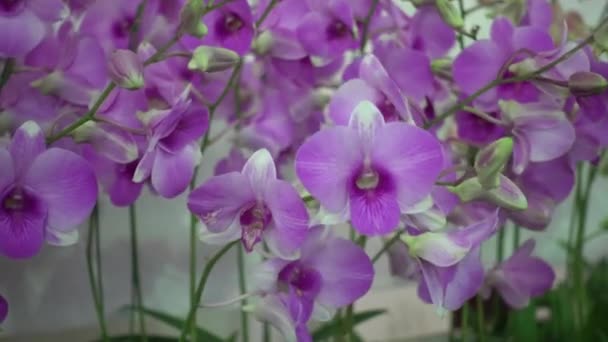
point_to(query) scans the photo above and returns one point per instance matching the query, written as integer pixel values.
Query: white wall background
(50, 293)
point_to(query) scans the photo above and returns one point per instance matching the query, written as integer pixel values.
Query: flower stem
(243, 290)
(138, 303)
(386, 247)
(516, 231)
(480, 320)
(94, 271)
(267, 11)
(7, 71)
(463, 15)
(201, 288)
(465, 321)
(366, 25)
(266, 334)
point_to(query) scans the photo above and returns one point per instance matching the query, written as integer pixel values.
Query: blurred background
(50, 298)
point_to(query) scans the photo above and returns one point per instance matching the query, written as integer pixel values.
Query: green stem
(7, 71)
(243, 290)
(86, 118)
(481, 330)
(387, 245)
(93, 270)
(201, 288)
(366, 24)
(516, 232)
(267, 11)
(349, 323)
(465, 321)
(266, 334)
(500, 245)
(135, 273)
(133, 32)
(463, 15)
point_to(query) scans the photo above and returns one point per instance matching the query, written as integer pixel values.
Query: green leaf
(178, 323)
(333, 327)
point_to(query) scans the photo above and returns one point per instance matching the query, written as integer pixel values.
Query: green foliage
(334, 327)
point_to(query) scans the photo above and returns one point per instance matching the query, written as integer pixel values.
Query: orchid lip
(254, 221)
(368, 180)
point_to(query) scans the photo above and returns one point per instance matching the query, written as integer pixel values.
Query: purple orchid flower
(481, 62)
(286, 314)
(3, 309)
(369, 171)
(233, 162)
(253, 205)
(172, 151)
(430, 34)
(521, 277)
(44, 194)
(541, 132)
(230, 26)
(328, 30)
(545, 185)
(449, 262)
(331, 273)
(373, 85)
(24, 23)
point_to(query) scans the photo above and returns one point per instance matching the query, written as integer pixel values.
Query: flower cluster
(342, 113)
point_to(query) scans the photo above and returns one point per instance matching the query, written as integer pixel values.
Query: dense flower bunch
(341, 113)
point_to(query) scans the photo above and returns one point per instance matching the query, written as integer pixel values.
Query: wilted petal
(171, 173)
(412, 156)
(346, 270)
(26, 145)
(260, 170)
(219, 200)
(66, 183)
(326, 163)
(289, 216)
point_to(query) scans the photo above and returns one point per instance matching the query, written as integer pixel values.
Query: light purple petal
(22, 233)
(219, 200)
(326, 163)
(438, 248)
(374, 213)
(144, 167)
(549, 136)
(123, 191)
(312, 33)
(171, 173)
(527, 272)
(260, 171)
(289, 216)
(347, 97)
(66, 183)
(19, 39)
(539, 14)
(430, 33)
(49, 10)
(501, 33)
(521, 153)
(346, 270)
(532, 38)
(27, 144)
(478, 65)
(412, 156)
(411, 70)
(366, 119)
(272, 310)
(190, 128)
(7, 171)
(467, 280)
(478, 232)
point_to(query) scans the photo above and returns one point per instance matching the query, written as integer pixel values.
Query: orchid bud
(468, 190)
(491, 160)
(585, 83)
(507, 195)
(449, 13)
(126, 69)
(436, 248)
(191, 19)
(441, 64)
(212, 59)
